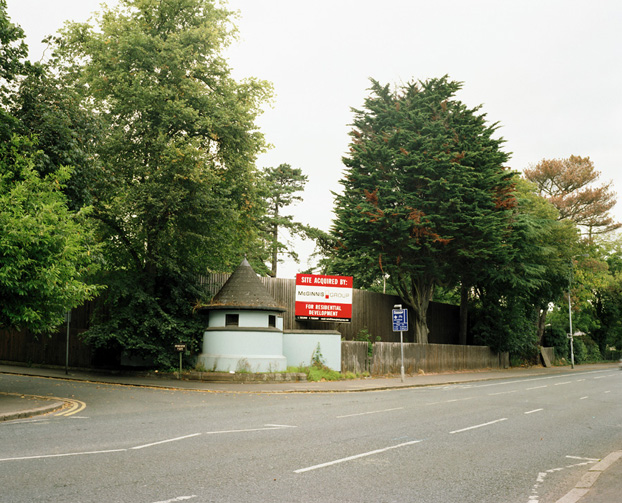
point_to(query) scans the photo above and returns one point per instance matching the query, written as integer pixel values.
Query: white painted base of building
(299, 346)
(264, 350)
(243, 363)
(248, 350)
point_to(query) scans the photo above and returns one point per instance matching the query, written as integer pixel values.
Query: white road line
(583, 398)
(357, 456)
(266, 428)
(503, 393)
(534, 411)
(451, 401)
(565, 382)
(534, 498)
(83, 453)
(179, 498)
(67, 454)
(166, 441)
(370, 412)
(479, 425)
(538, 387)
(582, 459)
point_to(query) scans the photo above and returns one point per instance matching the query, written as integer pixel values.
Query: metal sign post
(181, 348)
(400, 324)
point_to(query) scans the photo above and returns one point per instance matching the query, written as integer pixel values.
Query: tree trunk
(541, 324)
(418, 297)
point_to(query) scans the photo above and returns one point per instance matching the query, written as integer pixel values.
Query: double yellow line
(75, 406)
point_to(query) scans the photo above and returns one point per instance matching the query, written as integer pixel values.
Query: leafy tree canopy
(569, 185)
(173, 188)
(425, 191)
(45, 251)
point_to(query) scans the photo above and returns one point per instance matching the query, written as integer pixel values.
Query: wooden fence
(434, 358)
(50, 349)
(355, 357)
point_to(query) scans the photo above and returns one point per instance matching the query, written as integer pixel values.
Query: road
(525, 440)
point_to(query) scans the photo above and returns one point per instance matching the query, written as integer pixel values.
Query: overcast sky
(548, 71)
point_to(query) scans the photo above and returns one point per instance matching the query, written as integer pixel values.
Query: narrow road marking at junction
(479, 425)
(265, 428)
(370, 412)
(451, 401)
(67, 454)
(166, 441)
(534, 411)
(356, 456)
(179, 498)
(582, 459)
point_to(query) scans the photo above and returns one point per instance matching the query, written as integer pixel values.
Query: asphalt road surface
(524, 440)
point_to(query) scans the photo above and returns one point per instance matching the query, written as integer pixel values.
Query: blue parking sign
(400, 320)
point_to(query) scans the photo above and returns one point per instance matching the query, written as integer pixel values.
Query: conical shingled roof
(244, 290)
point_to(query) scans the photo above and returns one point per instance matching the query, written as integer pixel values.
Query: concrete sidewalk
(601, 484)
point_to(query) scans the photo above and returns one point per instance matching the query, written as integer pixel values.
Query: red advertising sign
(323, 298)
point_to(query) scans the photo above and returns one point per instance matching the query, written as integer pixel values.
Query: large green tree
(512, 295)
(426, 196)
(173, 192)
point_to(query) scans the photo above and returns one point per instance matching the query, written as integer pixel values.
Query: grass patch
(322, 373)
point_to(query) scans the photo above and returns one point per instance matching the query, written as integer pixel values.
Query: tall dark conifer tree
(426, 197)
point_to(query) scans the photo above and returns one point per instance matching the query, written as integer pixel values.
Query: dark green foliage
(505, 323)
(147, 323)
(426, 197)
(556, 337)
(66, 132)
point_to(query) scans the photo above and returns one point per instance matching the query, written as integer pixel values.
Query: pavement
(602, 483)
